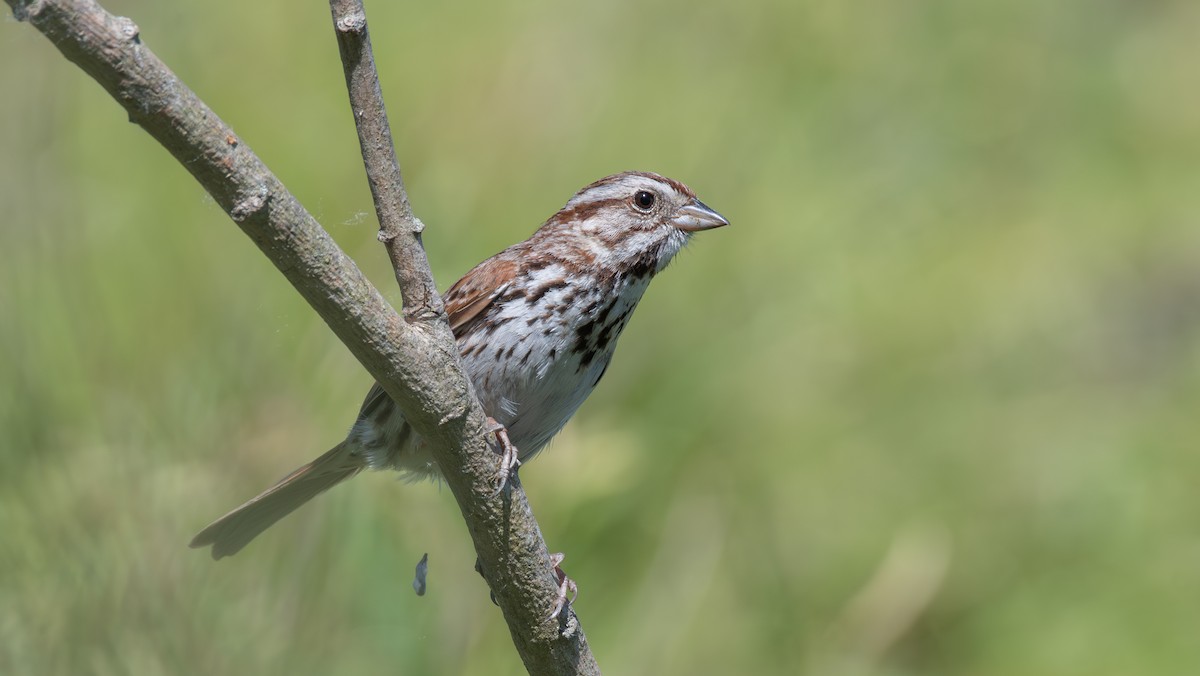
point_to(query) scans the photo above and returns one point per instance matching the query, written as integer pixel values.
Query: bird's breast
(534, 363)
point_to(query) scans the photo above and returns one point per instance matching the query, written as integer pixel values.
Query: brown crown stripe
(585, 210)
(644, 174)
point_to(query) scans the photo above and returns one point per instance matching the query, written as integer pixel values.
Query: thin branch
(399, 229)
(416, 363)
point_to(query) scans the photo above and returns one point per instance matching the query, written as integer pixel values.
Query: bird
(535, 325)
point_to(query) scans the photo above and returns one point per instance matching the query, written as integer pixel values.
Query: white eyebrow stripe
(621, 188)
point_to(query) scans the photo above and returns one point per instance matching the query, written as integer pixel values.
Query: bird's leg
(565, 586)
(509, 460)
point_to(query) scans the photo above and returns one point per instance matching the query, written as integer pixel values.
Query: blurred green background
(929, 406)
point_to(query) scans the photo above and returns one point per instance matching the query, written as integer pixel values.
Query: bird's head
(636, 220)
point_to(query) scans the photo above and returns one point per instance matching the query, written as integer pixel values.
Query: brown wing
(469, 296)
(472, 294)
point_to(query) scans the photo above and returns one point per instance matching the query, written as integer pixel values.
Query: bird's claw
(565, 586)
(509, 458)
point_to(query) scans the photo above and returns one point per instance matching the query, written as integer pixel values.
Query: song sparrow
(536, 326)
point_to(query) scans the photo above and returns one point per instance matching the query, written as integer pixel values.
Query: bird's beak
(695, 216)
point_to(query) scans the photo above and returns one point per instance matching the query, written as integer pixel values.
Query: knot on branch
(128, 29)
(424, 313)
(387, 234)
(249, 205)
(354, 22)
(24, 11)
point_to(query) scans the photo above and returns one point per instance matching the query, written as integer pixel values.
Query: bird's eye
(643, 199)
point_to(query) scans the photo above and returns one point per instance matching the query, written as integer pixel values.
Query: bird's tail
(235, 530)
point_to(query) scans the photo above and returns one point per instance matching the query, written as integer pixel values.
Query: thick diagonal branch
(416, 363)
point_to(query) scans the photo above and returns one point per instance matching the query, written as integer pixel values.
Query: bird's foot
(565, 586)
(509, 459)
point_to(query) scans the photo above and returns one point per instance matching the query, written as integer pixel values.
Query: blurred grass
(928, 407)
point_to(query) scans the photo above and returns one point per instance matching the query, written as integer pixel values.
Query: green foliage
(927, 407)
